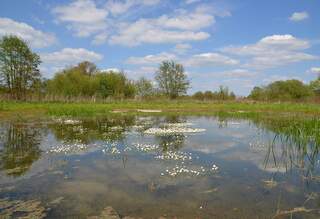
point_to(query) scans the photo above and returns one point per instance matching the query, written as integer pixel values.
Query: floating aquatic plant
(71, 148)
(178, 124)
(172, 130)
(174, 155)
(179, 170)
(145, 147)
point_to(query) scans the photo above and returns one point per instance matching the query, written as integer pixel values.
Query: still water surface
(148, 167)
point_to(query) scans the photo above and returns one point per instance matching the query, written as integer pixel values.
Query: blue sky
(236, 43)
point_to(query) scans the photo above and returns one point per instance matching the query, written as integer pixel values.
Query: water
(148, 167)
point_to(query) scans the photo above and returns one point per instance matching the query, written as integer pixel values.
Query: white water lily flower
(172, 130)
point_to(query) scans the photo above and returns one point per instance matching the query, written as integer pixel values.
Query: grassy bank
(183, 107)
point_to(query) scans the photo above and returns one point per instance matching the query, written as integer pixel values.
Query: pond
(157, 167)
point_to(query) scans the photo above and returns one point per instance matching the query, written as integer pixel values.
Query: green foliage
(84, 80)
(282, 90)
(114, 84)
(18, 67)
(222, 94)
(144, 88)
(172, 80)
(73, 82)
(315, 86)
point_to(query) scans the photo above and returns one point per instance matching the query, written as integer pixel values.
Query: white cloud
(182, 48)
(210, 59)
(86, 19)
(191, 1)
(35, 38)
(141, 32)
(82, 16)
(118, 7)
(143, 71)
(315, 70)
(269, 45)
(110, 22)
(56, 61)
(185, 20)
(203, 59)
(273, 51)
(239, 73)
(147, 69)
(70, 56)
(299, 16)
(151, 59)
(100, 38)
(111, 69)
(176, 28)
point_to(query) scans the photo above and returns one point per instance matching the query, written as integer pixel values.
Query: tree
(257, 93)
(198, 95)
(315, 86)
(282, 90)
(18, 66)
(171, 79)
(209, 95)
(223, 93)
(73, 82)
(87, 68)
(144, 87)
(112, 84)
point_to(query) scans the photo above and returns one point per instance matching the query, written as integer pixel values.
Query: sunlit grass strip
(90, 109)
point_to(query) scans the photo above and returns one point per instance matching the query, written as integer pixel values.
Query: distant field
(182, 107)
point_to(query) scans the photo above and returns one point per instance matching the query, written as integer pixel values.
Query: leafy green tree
(282, 90)
(19, 66)
(87, 68)
(112, 84)
(223, 93)
(73, 82)
(209, 95)
(144, 87)
(315, 86)
(258, 93)
(232, 96)
(171, 79)
(129, 89)
(198, 95)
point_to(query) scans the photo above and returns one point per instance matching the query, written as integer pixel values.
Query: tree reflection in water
(174, 141)
(90, 130)
(19, 148)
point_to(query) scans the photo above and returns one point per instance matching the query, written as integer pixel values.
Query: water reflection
(140, 171)
(90, 130)
(19, 148)
(172, 142)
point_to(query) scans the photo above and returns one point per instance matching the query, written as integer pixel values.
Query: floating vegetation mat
(172, 130)
(71, 148)
(175, 155)
(145, 147)
(184, 170)
(178, 124)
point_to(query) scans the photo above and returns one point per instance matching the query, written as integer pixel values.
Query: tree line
(21, 79)
(288, 90)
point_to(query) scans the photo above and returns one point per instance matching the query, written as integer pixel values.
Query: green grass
(181, 107)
